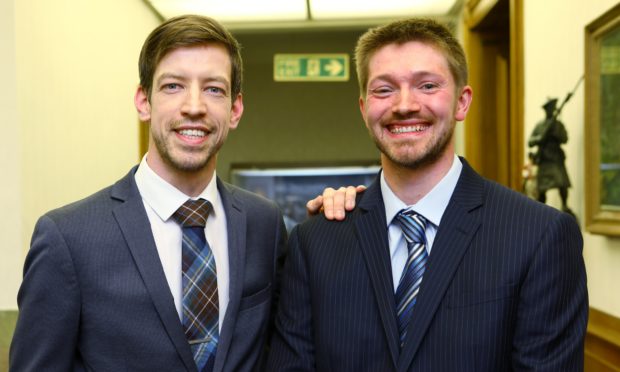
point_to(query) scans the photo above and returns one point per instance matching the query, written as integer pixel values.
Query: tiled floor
(7, 325)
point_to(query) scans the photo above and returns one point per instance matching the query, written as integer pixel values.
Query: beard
(184, 160)
(402, 155)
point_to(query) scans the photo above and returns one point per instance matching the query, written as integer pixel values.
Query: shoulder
(474, 190)
(90, 205)
(319, 230)
(96, 208)
(243, 199)
(516, 217)
(501, 197)
(503, 208)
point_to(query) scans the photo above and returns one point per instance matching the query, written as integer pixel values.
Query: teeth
(192, 133)
(414, 128)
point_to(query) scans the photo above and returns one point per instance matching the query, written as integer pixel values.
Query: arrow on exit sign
(311, 67)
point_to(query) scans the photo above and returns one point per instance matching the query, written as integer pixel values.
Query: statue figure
(530, 174)
(549, 134)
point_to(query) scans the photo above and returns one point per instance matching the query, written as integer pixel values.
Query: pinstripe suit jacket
(95, 296)
(504, 289)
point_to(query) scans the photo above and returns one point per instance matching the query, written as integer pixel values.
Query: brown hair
(184, 31)
(400, 32)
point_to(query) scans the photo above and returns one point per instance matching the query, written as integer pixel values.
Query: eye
(171, 87)
(429, 86)
(381, 92)
(215, 91)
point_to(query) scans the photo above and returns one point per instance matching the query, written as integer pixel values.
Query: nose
(406, 102)
(194, 104)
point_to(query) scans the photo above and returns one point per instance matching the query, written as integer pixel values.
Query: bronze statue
(549, 134)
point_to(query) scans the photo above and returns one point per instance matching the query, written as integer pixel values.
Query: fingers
(350, 194)
(328, 202)
(334, 203)
(315, 206)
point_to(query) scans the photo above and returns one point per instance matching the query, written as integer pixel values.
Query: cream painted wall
(10, 197)
(74, 129)
(554, 61)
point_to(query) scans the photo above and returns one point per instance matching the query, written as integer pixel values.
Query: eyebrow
(165, 76)
(173, 76)
(415, 75)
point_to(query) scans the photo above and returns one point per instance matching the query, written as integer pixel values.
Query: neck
(412, 184)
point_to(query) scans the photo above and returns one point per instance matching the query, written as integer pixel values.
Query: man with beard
(169, 269)
(437, 269)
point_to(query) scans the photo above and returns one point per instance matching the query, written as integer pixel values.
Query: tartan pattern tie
(413, 226)
(200, 298)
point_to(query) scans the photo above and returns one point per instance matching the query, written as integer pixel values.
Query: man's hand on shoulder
(334, 203)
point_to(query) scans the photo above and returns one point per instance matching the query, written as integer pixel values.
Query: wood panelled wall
(602, 343)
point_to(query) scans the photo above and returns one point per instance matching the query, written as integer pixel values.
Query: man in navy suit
(437, 269)
(102, 287)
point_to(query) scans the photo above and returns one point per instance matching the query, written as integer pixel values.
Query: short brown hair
(400, 32)
(184, 31)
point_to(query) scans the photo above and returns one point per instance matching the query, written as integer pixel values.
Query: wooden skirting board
(602, 350)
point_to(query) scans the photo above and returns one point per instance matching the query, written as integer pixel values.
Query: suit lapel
(372, 238)
(135, 227)
(236, 225)
(456, 230)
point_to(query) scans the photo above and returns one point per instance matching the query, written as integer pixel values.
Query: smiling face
(190, 111)
(412, 104)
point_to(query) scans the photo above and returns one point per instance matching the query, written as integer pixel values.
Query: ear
(141, 100)
(462, 103)
(236, 111)
(362, 103)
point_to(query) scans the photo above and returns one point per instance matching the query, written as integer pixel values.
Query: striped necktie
(200, 298)
(413, 226)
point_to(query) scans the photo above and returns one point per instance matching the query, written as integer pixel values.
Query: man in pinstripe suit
(504, 284)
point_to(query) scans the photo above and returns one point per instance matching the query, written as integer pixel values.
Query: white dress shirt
(431, 206)
(161, 200)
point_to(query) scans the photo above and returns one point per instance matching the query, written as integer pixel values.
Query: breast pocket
(487, 295)
(255, 299)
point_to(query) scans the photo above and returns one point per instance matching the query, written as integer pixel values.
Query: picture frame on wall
(602, 123)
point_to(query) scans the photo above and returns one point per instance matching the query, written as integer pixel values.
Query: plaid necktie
(200, 299)
(413, 226)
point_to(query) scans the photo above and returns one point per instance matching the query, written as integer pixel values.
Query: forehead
(207, 56)
(412, 56)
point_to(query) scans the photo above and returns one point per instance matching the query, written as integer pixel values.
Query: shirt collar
(432, 205)
(164, 198)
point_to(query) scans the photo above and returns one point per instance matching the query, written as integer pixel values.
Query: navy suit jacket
(504, 289)
(95, 297)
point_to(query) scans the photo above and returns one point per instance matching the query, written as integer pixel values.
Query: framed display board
(602, 123)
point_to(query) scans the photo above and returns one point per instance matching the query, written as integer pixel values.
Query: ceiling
(253, 14)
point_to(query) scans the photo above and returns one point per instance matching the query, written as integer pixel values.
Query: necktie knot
(193, 213)
(413, 226)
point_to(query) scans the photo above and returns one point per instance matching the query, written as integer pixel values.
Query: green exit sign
(311, 67)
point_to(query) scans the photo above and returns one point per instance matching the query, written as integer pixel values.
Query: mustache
(396, 116)
(177, 123)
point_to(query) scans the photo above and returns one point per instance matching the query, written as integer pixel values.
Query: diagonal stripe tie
(413, 226)
(199, 278)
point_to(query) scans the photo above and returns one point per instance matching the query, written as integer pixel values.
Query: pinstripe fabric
(200, 298)
(504, 290)
(413, 226)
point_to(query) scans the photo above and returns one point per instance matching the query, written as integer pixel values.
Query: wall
(297, 123)
(554, 61)
(69, 71)
(10, 164)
